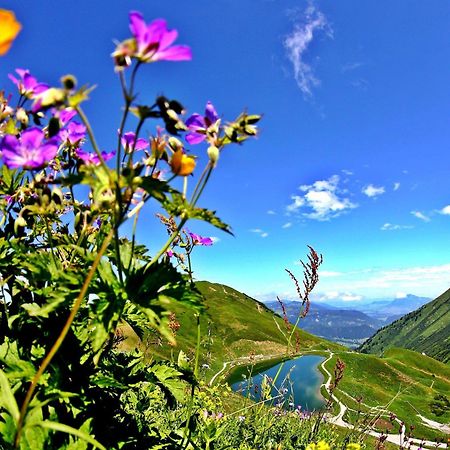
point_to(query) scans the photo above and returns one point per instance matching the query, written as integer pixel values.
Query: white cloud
(271, 212)
(324, 199)
(401, 295)
(390, 227)
(297, 203)
(396, 186)
(329, 273)
(337, 295)
(215, 239)
(260, 232)
(347, 172)
(420, 280)
(373, 191)
(297, 43)
(287, 225)
(445, 210)
(420, 216)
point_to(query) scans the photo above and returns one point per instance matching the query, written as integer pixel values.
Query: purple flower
(198, 125)
(27, 84)
(154, 41)
(129, 140)
(199, 240)
(65, 115)
(73, 133)
(169, 253)
(30, 151)
(92, 158)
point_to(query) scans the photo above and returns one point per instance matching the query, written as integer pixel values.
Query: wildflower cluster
(71, 286)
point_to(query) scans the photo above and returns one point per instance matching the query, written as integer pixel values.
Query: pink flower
(92, 158)
(154, 41)
(199, 240)
(30, 151)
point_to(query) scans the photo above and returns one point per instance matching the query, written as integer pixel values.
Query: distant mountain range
(426, 330)
(347, 327)
(349, 323)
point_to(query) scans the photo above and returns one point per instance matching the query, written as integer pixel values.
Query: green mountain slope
(426, 330)
(233, 327)
(407, 383)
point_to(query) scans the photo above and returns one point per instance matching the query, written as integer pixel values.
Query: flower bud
(22, 116)
(69, 82)
(175, 144)
(213, 154)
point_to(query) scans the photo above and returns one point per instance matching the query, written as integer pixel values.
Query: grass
(402, 380)
(426, 330)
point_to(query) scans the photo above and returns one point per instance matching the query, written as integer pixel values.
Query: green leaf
(7, 399)
(157, 188)
(56, 426)
(169, 379)
(80, 96)
(210, 217)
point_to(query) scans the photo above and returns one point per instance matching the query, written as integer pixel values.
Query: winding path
(398, 439)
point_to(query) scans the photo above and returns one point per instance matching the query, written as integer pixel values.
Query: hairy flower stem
(47, 360)
(86, 123)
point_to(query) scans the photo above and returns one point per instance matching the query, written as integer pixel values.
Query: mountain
(426, 330)
(345, 326)
(390, 310)
(233, 326)
(384, 309)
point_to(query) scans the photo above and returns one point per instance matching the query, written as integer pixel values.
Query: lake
(300, 376)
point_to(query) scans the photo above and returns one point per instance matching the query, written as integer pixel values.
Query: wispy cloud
(296, 204)
(445, 210)
(271, 212)
(373, 191)
(420, 216)
(396, 186)
(297, 42)
(343, 296)
(419, 280)
(391, 227)
(287, 225)
(329, 273)
(324, 200)
(259, 232)
(351, 66)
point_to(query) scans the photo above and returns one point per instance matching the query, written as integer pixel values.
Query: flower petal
(138, 27)
(32, 138)
(195, 121)
(174, 53)
(210, 113)
(167, 39)
(194, 138)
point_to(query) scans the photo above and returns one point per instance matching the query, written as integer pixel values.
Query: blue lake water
(300, 376)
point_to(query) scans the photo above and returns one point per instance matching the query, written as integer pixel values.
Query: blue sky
(353, 154)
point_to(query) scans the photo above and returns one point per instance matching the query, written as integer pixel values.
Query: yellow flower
(353, 446)
(182, 164)
(9, 29)
(321, 445)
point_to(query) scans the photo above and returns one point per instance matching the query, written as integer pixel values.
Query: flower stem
(86, 123)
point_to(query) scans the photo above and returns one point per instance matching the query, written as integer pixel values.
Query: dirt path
(398, 439)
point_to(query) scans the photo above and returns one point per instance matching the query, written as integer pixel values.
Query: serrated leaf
(210, 217)
(157, 188)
